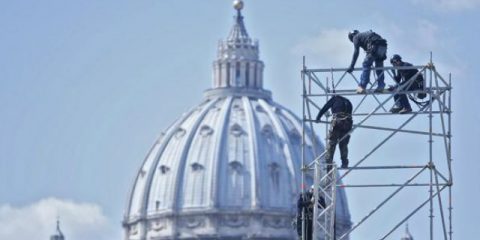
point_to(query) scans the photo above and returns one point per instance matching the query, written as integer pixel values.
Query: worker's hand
(350, 69)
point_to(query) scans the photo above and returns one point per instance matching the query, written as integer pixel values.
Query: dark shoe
(395, 109)
(344, 164)
(379, 90)
(405, 110)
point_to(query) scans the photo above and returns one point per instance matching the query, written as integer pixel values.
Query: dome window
(259, 108)
(275, 174)
(197, 167)
(267, 131)
(206, 131)
(164, 169)
(236, 130)
(236, 166)
(180, 133)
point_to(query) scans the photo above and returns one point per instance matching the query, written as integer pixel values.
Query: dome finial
(238, 5)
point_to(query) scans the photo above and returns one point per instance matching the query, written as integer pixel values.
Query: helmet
(352, 34)
(395, 58)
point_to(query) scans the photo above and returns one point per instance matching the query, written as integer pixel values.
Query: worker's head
(396, 60)
(312, 188)
(352, 34)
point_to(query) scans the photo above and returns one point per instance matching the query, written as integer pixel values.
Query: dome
(230, 167)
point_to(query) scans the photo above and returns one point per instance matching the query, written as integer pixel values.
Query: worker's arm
(325, 108)
(397, 77)
(356, 51)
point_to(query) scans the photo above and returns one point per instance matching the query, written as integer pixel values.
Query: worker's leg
(343, 145)
(367, 66)
(404, 101)
(380, 74)
(331, 144)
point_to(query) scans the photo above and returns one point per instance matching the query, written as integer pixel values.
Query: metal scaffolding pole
(318, 86)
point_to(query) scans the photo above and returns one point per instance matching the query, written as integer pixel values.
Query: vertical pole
(303, 147)
(327, 90)
(450, 155)
(430, 143)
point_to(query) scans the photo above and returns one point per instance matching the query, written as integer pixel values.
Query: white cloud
(79, 221)
(449, 5)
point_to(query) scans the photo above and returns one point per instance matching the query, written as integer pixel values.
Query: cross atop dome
(238, 32)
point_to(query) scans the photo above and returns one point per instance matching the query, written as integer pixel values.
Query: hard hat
(352, 34)
(395, 58)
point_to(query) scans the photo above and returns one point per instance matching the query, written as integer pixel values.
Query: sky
(87, 86)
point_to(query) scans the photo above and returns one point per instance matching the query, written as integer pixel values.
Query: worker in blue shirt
(340, 127)
(376, 51)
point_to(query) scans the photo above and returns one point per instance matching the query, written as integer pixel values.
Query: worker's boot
(344, 164)
(395, 109)
(405, 110)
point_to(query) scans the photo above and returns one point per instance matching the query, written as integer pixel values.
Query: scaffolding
(429, 172)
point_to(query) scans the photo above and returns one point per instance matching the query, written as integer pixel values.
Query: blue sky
(87, 86)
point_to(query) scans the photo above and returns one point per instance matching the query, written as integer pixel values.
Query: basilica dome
(230, 167)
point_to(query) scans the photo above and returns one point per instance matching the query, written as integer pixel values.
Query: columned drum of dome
(230, 167)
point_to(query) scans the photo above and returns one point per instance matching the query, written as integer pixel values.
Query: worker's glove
(350, 69)
(391, 88)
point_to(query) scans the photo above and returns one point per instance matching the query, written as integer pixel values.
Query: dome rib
(219, 147)
(253, 152)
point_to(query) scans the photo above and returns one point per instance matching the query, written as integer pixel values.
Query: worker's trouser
(341, 125)
(377, 56)
(401, 100)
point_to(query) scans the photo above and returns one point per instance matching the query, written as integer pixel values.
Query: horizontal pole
(390, 185)
(313, 70)
(390, 114)
(393, 129)
(385, 167)
(349, 92)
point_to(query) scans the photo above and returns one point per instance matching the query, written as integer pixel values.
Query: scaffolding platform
(412, 149)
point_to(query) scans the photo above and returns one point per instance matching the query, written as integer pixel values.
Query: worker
(340, 127)
(375, 48)
(305, 212)
(402, 77)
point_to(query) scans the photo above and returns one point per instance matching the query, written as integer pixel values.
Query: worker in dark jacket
(305, 212)
(341, 125)
(402, 77)
(376, 51)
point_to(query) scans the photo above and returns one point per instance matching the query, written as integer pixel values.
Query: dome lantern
(238, 64)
